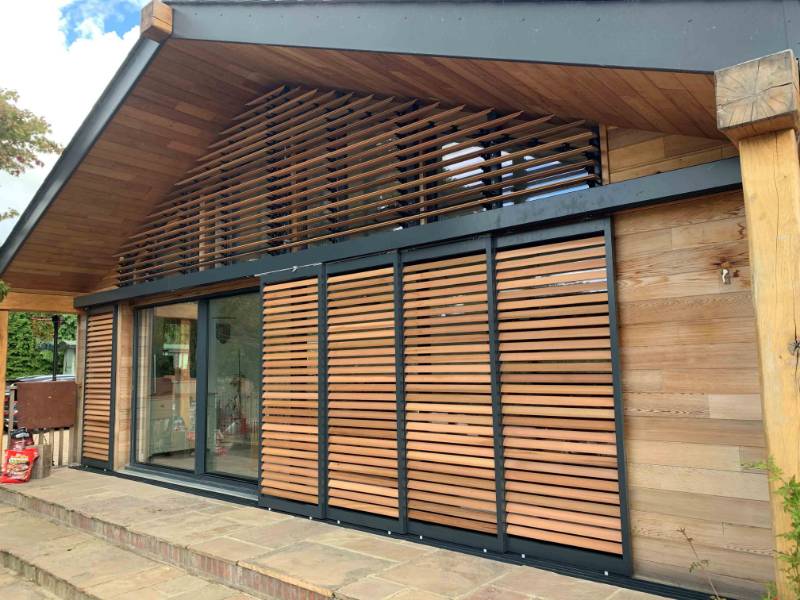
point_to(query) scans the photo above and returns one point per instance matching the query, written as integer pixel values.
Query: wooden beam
(758, 107)
(758, 96)
(32, 302)
(156, 21)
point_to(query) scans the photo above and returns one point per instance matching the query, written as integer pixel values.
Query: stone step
(15, 586)
(74, 565)
(222, 565)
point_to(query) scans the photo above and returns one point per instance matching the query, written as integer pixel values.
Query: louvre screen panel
(460, 392)
(303, 167)
(362, 392)
(98, 387)
(451, 475)
(559, 437)
(289, 467)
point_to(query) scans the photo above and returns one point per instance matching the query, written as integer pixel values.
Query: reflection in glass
(166, 386)
(234, 368)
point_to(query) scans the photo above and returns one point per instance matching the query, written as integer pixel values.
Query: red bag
(18, 464)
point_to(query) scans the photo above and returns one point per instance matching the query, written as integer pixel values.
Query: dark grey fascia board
(101, 114)
(582, 204)
(675, 35)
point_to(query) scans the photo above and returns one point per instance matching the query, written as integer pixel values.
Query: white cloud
(55, 79)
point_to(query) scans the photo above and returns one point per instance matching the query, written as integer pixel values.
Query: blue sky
(118, 16)
(82, 17)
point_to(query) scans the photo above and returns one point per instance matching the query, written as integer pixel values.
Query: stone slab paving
(236, 544)
(74, 564)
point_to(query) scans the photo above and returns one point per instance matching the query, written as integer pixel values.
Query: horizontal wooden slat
(557, 402)
(362, 467)
(289, 459)
(307, 166)
(450, 443)
(97, 386)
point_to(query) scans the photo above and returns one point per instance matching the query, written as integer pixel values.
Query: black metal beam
(101, 114)
(684, 35)
(587, 203)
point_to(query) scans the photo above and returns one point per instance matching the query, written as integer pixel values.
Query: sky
(59, 55)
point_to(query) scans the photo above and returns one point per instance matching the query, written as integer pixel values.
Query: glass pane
(167, 385)
(234, 370)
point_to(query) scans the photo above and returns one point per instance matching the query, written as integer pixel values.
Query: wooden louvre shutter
(451, 475)
(557, 392)
(362, 409)
(97, 387)
(289, 467)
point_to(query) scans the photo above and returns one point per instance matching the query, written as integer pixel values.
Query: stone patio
(266, 554)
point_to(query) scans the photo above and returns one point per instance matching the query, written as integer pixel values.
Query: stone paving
(235, 545)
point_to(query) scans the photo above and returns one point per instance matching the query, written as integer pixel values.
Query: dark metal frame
(199, 472)
(588, 203)
(501, 543)
(691, 36)
(618, 564)
(91, 462)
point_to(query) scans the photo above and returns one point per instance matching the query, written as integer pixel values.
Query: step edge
(63, 515)
(12, 561)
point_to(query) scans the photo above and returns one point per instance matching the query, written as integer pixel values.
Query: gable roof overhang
(168, 101)
(672, 35)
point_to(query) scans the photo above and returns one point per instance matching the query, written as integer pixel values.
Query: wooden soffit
(190, 90)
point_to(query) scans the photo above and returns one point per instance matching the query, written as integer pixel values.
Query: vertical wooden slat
(448, 394)
(362, 415)
(289, 462)
(97, 386)
(557, 395)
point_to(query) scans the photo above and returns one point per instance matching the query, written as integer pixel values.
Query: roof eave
(675, 35)
(101, 114)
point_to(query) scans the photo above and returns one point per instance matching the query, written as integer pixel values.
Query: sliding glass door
(198, 386)
(234, 371)
(167, 385)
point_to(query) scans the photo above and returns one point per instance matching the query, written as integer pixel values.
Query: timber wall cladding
(691, 394)
(299, 167)
(98, 381)
(543, 416)
(630, 153)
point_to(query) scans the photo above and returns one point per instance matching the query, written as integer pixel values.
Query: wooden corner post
(758, 108)
(156, 21)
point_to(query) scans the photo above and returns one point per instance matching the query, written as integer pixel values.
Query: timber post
(758, 108)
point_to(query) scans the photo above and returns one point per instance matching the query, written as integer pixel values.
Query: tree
(23, 136)
(28, 337)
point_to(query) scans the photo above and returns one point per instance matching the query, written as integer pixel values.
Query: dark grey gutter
(582, 204)
(101, 114)
(679, 35)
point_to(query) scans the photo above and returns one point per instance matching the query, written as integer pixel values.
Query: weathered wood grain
(691, 393)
